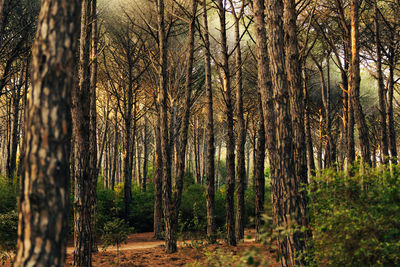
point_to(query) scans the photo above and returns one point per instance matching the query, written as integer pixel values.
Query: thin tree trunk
(158, 229)
(230, 138)
(15, 108)
(310, 150)
(210, 164)
(241, 139)
(145, 154)
(390, 116)
(265, 87)
(259, 170)
(92, 23)
(355, 84)
(115, 150)
(83, 173)
(44, 200)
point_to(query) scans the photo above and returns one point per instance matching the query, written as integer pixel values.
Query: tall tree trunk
(145, 154)
(210, 165)
(158, 229)
(44, 199)
(293, 70)
(230, 138)
(83, 180)
(259, 169)
(92, 23)
(15, 108)
(355, 83)
(310, 150)
(115, 154)
(288, 202)
(265, 86)
(241, 129)
(172, 204)
(390, 116)
(381, 88)
(166, 149)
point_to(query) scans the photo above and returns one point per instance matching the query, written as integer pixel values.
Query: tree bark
(259, 169)
(158, 229)
(355, 84)
(15, 109)
(288, 202)
(390, 116)
(115, 154)
(92, 24)
(265, 86)
(241, 129)
(210, 165)
(44, 198)
(145, 154)
(230, 138)
(83, 173)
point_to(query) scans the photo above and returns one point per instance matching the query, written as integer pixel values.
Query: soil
(142, 250)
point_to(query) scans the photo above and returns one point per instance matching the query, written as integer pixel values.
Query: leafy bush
(8, 193)
(356, 219)
(8, 233)
(142, 209)
(114, 234)
(220, 258)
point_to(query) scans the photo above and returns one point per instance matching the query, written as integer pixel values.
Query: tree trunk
(288, 202)
(355, 84)
(158, 229)
(241, 128)
(259, 169)
(115, 150)
(145, 154)
(265, 88)
(210, 166)
(310, 150)
(44, 200)
(15, 100)
(230, 138)
(92, 24)
(83, 173)
(390, 116)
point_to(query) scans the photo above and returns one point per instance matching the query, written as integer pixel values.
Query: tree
(241, 138)
(44, 198)
(288, 201)
(210, 168)
(83, 198)
(355, 83)
(230, 138)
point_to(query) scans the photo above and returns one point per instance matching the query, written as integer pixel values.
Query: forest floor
(142, 250)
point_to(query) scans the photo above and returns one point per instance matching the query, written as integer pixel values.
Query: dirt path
(142, 250)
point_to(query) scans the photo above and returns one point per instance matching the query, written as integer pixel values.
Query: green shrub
(142, 209)
(356, 219)
(8, 192)
(8, 233)
(192, 215)
(220, 258)
(115, 233)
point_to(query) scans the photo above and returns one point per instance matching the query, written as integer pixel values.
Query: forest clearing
(199, 133)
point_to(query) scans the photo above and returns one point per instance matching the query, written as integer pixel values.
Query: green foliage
(220, 258)
(193, 212)
(8, 234)
(106, 207)
(356, 219)
(142, 209)
(115, 233)
(8, 193)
